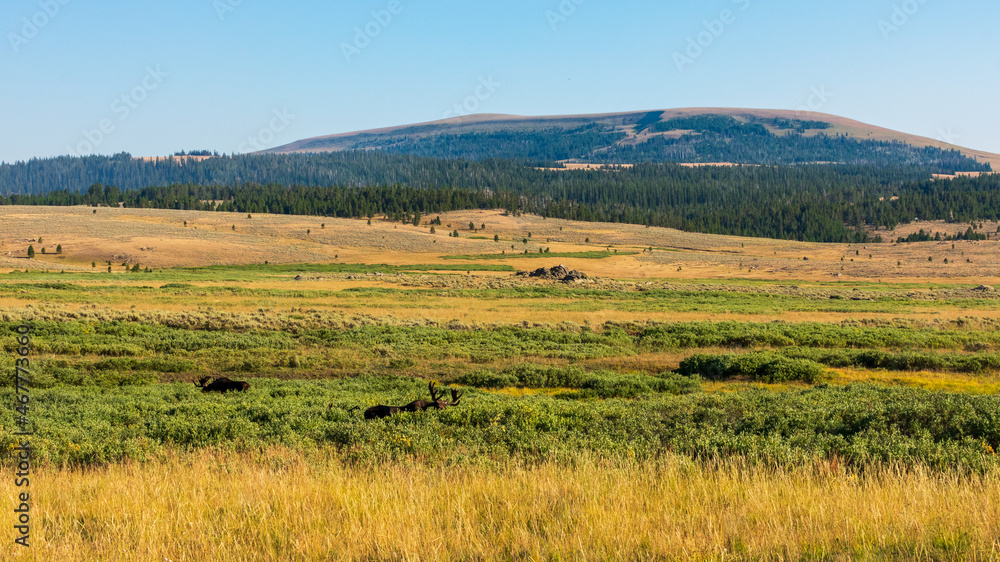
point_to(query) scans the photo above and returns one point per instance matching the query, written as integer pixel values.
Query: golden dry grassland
(282, 506)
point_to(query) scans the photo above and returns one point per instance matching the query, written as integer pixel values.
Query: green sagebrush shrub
(808, 334)
(761, 366)
(49, 374)
(597, 384)
(901, 361)
(862, 425)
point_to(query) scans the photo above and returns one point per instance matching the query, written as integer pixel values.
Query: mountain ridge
(622, 123)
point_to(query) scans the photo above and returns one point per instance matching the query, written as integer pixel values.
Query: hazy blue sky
(234, 75)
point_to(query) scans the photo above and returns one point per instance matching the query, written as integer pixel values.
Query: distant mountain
(694, 135)
(803, 176)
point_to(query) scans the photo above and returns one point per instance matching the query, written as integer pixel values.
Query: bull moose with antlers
(222, 384)
(436, 401)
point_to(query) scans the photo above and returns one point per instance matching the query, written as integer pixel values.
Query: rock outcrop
(558, 273)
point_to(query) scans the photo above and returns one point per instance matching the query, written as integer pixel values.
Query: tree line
(488, 158)
(810, 203)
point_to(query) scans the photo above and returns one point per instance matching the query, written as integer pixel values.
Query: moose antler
(421, 405)
(435, 396)
(456, 396)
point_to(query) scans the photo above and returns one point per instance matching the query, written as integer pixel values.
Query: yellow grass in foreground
(280, 506)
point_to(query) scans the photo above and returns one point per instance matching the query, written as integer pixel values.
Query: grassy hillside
(163, 239)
